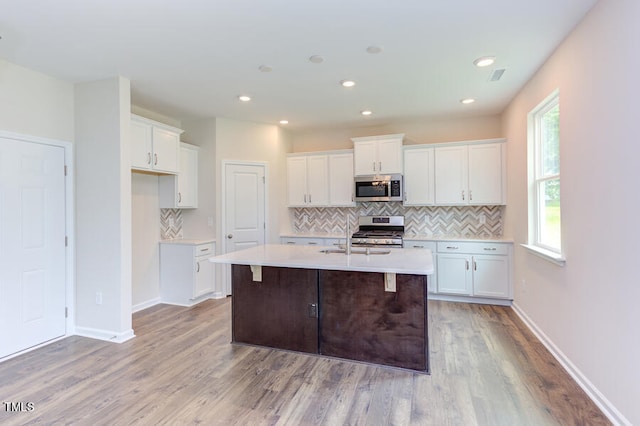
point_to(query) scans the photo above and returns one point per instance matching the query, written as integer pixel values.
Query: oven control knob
(375, 241)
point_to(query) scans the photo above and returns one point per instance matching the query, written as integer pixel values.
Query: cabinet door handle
(475, 265)
(463, 195)
(379, 166)
(149, 158)
(490, 248)
(197, 266)
(179, 197)
(405, 195)
(309, 198)
(470, 196)
(466, 264)
(155, 159)
(305, 198)
(374, 166)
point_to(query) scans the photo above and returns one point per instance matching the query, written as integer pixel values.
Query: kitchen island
(364, 307)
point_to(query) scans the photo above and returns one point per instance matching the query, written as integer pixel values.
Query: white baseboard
(109, 336)
(145, 305)
(592, 392)
(33, 348)
(218, 295)
(469, 299)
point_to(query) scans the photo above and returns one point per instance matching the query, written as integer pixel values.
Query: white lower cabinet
(302, 241)
(431, 245)
(475, 269)
(186, 275)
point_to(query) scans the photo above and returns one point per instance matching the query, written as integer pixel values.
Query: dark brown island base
(345, 314)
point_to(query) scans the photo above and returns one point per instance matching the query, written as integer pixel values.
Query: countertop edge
(411, 238)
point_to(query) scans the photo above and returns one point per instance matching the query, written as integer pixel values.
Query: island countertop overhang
(414, 261)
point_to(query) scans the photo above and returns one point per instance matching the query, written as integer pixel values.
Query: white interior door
(32, 244)
(244, 208)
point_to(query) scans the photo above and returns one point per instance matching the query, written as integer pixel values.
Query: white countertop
(187, 241)
(399, 260)
(407, 236)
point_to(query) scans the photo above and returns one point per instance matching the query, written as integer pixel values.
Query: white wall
(103, 209)
(196, 221)
(588, 308)
(238, 140)
(35, 104)
(145, 238)
(416, 131)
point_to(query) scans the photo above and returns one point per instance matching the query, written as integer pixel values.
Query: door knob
(230, 236)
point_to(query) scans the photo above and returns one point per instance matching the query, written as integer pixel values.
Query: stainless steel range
(379, 231)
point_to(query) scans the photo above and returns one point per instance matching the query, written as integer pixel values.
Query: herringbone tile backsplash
(170, 224)
(437, 221)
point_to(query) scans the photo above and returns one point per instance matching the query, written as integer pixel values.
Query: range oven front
(378, 188)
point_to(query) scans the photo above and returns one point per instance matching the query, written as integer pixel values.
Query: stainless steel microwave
(378, 188)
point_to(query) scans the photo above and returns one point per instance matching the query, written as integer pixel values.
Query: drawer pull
(490, 248)
(452, 247)
(311, 243)
(418, 246)
(204, 250)
(291, 242)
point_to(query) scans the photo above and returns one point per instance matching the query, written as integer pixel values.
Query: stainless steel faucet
(348, 245)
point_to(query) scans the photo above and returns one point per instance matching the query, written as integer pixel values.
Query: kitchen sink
(366, 251)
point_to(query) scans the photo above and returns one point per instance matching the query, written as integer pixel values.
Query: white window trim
(548, 253)
(551, 256)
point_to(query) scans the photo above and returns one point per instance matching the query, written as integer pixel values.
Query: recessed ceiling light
(265, 68)
(348, 83)
(316, 59)
(467, 101)
(284, 121)
(484, 61)
(244, 98)
(366, 112)
(374, 49)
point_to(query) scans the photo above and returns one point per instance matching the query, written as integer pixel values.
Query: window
(545, 236)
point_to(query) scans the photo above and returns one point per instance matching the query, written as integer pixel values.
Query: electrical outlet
(482, 219)
(210, 221)
(98, 298)
(171, 223)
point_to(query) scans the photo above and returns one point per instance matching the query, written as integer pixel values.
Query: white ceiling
(192, 58)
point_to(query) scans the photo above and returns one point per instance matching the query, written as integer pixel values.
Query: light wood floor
(487, 369)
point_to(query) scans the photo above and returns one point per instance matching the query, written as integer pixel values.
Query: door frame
(225, 270)
(69, 191)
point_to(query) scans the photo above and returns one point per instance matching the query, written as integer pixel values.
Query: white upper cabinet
(486, 174)
(181, 190)
(320, 179)
(307, 180)
(470, 174)
(377, 155)
(341, 184)
(317, 178)
(154, 146)
(419, 186)
(451, 175)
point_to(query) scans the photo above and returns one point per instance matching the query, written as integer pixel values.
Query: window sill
(546, 254)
